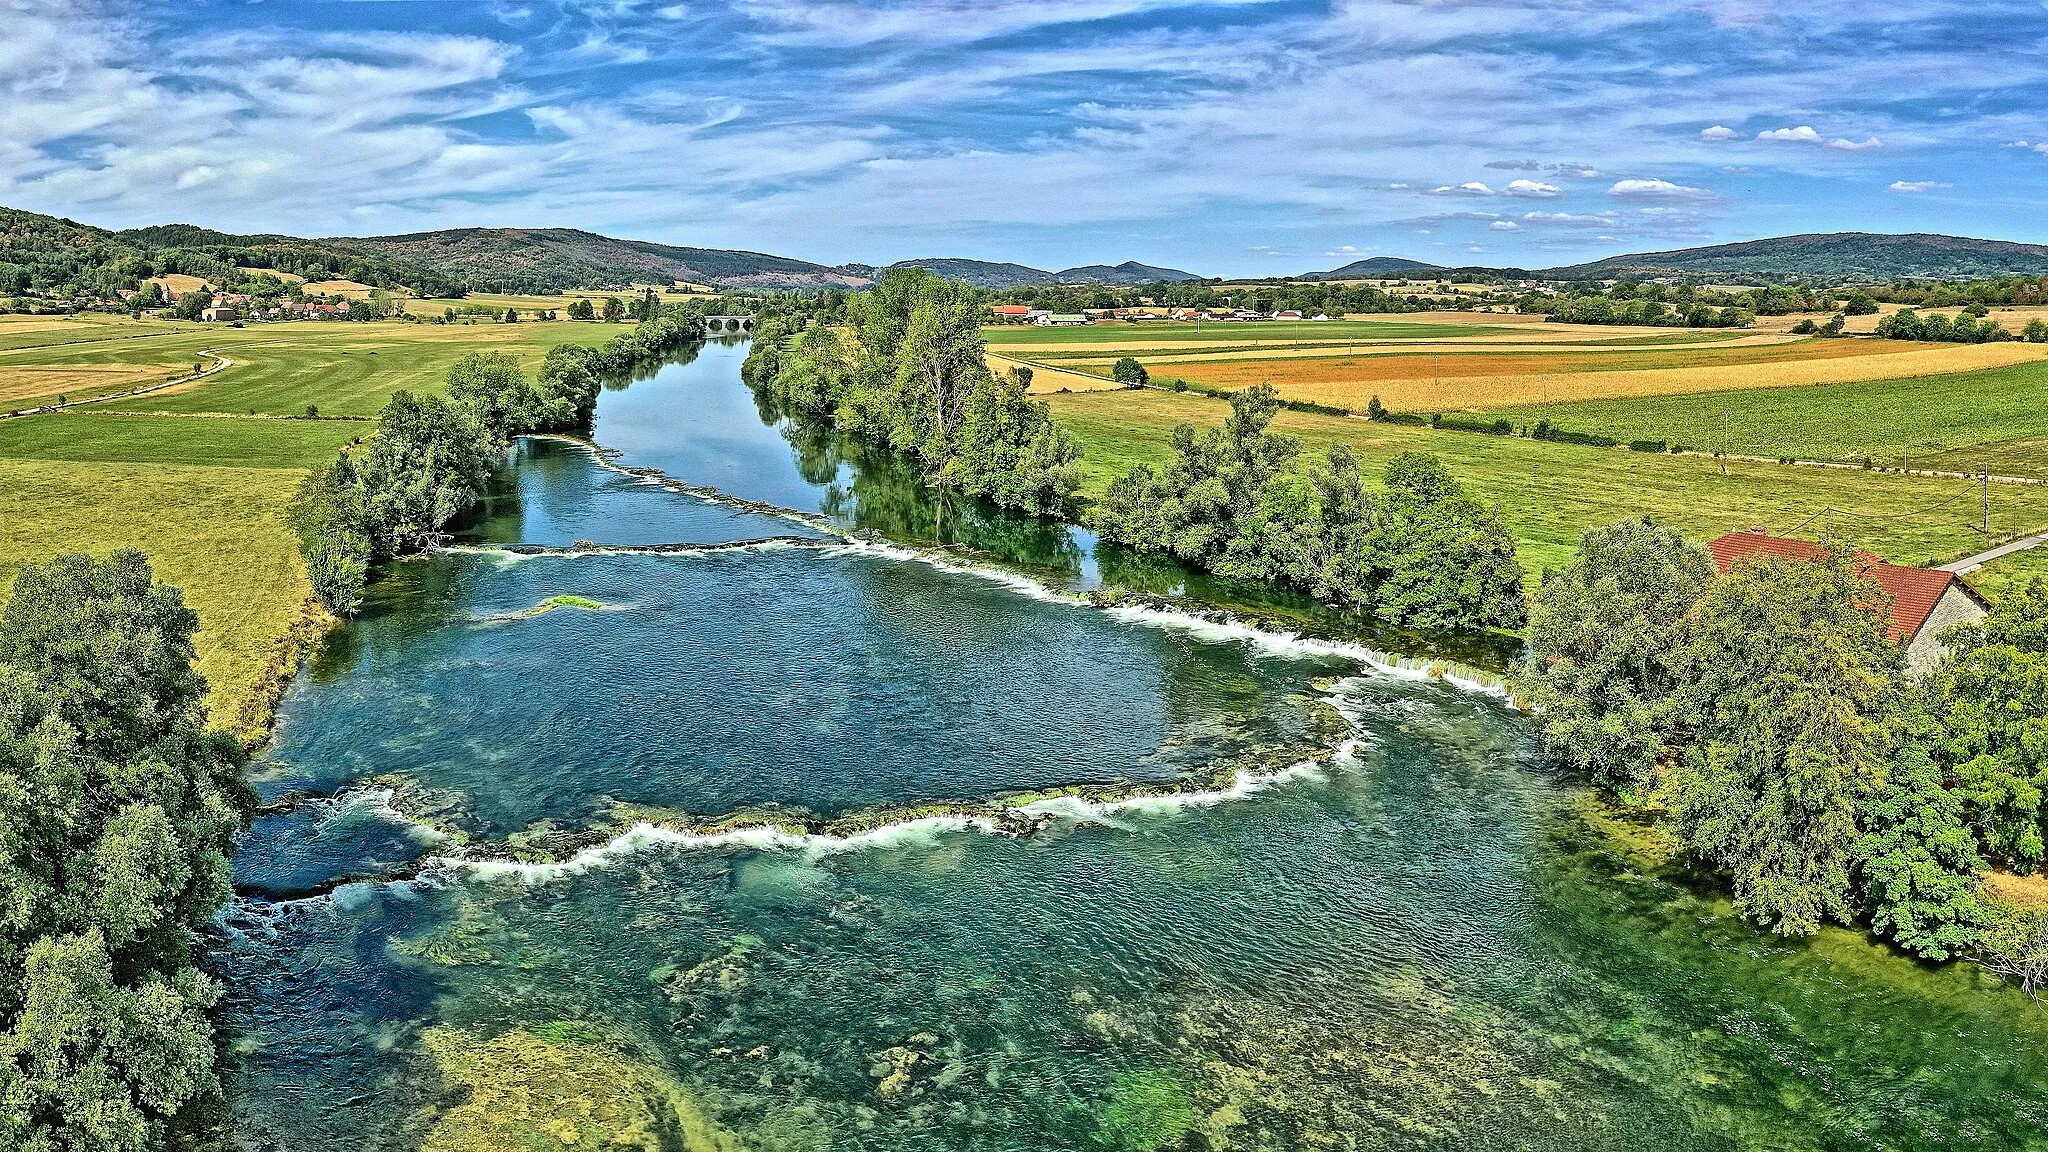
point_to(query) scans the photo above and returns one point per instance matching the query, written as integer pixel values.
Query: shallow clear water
(816, 680)
(1426, 942)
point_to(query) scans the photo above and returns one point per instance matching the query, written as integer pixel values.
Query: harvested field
(26, 387)
(1464, 381)
(1046, 379)
(217, 532)
(1931, 420)
(177, 283)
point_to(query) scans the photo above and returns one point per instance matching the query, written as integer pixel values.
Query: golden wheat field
(1454, 379)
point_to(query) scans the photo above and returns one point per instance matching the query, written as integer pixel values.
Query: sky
(1240, 138)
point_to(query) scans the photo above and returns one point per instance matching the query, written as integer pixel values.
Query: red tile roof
(1913, 591)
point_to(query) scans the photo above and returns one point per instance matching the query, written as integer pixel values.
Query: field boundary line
(219, 362)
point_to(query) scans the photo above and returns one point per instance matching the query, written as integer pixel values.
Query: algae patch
(556, 1088)
(550, 604)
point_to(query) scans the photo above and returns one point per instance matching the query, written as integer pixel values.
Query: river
(1380, 923)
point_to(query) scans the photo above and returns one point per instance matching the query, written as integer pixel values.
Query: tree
(1859, 303)
(1990, 698)
(329, 516)
(1793, 687)
(614, 311)
(118, 812)
(1011, 451)
(427, 464)
(1917, 862)
(1129, 373)
(191, 304)
(1604, 638)
(511, 315)
(1448, 560)
(492, 389)
(582, 310)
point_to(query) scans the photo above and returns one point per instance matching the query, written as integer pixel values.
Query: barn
(1923, 600)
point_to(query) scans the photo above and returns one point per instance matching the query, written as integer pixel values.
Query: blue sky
(1236, 138)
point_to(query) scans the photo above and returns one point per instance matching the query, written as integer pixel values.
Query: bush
(1647, 446)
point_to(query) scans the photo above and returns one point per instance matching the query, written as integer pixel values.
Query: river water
(1415, 938)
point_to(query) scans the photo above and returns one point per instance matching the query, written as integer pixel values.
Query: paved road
(1970, 563)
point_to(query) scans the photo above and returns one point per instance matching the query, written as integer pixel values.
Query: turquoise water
(1426, 941)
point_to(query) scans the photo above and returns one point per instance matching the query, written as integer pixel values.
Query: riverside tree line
(906, 365)
(431, 458)
(1765, 712)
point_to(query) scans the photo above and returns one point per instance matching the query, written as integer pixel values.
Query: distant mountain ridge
(566, 259)
(1374, 268)
(1821, 255)
(993, 274)
(1857, 255)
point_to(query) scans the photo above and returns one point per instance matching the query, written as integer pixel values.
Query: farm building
(1011, 313)
(1923, 600)
(220, 312)
(1061, 319)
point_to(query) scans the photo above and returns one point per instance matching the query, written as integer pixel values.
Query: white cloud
(1505, 226)
(1639, 189)
(1917, 185)
(1718, 132)
(1468, 188)
(1805, 134)
(1533, 189)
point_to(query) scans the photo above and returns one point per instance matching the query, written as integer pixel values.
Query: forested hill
(993, 274)
(563, 259)
(54, 257)
(1832, 255)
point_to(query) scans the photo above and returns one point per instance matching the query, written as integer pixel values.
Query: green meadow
(1550, 492)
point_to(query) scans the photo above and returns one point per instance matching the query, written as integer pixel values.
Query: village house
(1924, 601)
(220, 312)
(1011, 313)
(1288, 314)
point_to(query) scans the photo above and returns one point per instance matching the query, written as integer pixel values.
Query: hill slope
(55, 256)
(562, 259)
(1373, 268)
(994, 274)
(1847, 255)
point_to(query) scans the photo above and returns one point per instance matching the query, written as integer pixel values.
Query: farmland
(1488, 361)
(1549, 493)
(198, 475)
(1933, 421)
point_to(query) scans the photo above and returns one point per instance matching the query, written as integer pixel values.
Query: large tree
(1604, 637)
(118, 811)
(1794, 689)
(1991, 697)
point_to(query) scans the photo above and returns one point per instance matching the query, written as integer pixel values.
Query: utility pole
(1724, 440)
(1984, 488)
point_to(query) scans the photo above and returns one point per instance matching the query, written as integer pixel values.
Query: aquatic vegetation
(560, 1088)
(549, 605)
(1150, 1110)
